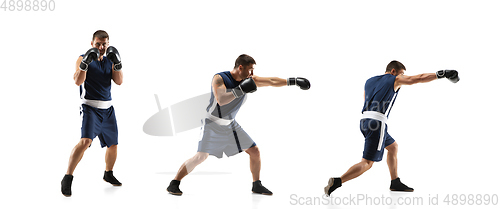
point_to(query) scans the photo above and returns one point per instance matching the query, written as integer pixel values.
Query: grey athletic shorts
(217, 139)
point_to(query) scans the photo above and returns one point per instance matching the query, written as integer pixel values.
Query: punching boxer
(94, 73)
(380, 93)
(220, 132)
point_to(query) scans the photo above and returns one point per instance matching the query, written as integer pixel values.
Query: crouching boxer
(220, 132)
(380, 93)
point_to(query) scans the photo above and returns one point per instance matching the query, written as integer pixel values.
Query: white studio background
(446, 132)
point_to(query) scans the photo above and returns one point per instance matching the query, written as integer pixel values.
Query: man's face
(246, 71)
(101, 44)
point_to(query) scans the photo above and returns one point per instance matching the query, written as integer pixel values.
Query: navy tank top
(380, 94)
(97, 85)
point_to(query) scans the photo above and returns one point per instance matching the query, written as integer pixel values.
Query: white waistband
(219, 121)
(380, 117)
(375, 115)
(97, 103)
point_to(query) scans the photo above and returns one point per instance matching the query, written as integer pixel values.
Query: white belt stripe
(219, 121)
(97, 103)
(380, 117)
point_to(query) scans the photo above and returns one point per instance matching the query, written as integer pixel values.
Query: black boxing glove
(246, 86)
(114, 56)
(91, 55)
(301, 82)
(451, 75)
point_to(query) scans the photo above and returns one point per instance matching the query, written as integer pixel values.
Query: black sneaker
(173, 188)
(259, 189)
(396, 185)
(333, 184)
(108, 177)
(66, 185)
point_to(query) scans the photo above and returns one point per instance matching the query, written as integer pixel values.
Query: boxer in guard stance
(94, 73)
(380, 93)
(220, 132)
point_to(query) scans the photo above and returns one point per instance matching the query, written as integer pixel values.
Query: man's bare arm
(220, 92)
(410, 80)
(79, 75)
(117, 76)
(269, 81)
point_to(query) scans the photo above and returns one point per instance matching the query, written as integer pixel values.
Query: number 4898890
(28, 5)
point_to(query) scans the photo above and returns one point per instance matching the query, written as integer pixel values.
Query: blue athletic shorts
(99, 122)
(371, 129)
(217, 139)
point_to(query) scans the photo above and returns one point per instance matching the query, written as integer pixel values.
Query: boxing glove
(451, 75)
(91, 55)
(114, 56)
(301, 82)
(246, 86)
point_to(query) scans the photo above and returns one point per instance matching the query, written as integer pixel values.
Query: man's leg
(356, 170)
(184, 170)
(77, 154)
(110, 158)
(190, 164)
(74, 159)
(392, 159)
(392, 163)
(255, 163)
(353, 172)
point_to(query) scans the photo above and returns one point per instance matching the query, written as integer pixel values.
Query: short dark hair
(100, 34)
(244, 60)
(395, 65)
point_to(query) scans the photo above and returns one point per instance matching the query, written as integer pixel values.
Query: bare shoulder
(217, 81)
(406, 80)
(401, 79)
(398, 83)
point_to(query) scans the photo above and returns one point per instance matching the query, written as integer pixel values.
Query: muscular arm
(79, 75)
(410, 80)
(117, 76)
(219, 90)
(269, 81)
